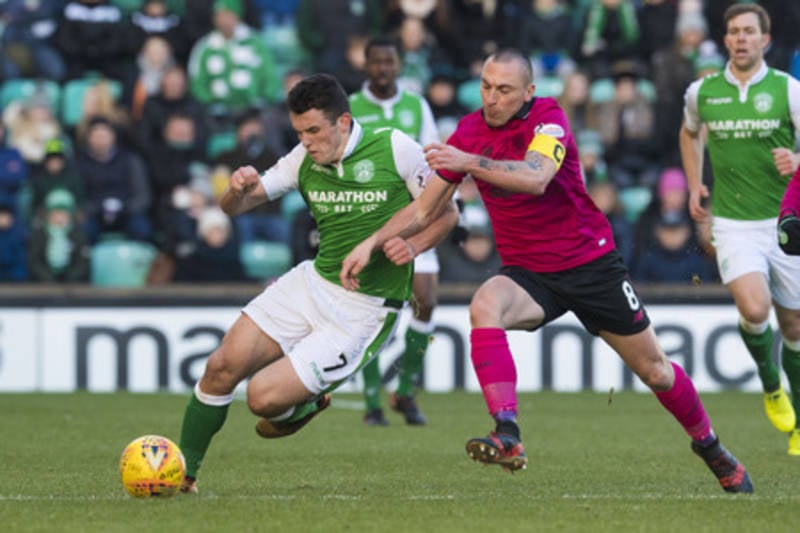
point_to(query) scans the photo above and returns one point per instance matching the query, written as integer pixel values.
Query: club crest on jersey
(364, 171)
(762, 102)
(553, 130)
(406, 118)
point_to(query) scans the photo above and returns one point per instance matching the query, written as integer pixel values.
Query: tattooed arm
(530, 175)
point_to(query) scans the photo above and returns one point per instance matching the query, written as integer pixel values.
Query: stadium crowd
(122, 121)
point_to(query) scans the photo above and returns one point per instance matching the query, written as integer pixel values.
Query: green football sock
(302, 410)
(372, 384)
(791, 365)
(200, 423)
(760, 348)
(411, 360)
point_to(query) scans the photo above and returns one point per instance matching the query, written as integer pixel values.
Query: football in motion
(152, 466)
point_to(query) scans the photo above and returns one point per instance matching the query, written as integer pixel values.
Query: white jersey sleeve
(283, 176)
(429, 131)
(409, 160)
(691, 116)
(793, 89)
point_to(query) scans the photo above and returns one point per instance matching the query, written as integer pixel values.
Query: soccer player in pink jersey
(558, 255)
(789, 221)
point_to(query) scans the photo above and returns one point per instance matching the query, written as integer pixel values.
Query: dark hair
(507, 55)
(381, 41)
(319, 91)
(739, 9)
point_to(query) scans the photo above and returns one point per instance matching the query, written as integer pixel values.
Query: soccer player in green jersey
(381, 103)
(305, 334)
(751, 113)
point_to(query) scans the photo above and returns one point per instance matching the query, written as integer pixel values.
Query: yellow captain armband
(548, 146)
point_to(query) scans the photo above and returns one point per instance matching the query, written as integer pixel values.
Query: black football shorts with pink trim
(600, 293)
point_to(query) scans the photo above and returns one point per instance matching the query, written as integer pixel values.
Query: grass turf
(594, 466)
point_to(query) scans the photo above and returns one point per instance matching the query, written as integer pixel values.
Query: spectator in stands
(31, 123)
(673, 71)
(440, 21)
(610, 34)
(446, 108)
(26, 49)
(56, 172)
(172, 98)
(671, 196)
(605, 195)
(280, 134)
(13, 170)
(117, 189)
(154, 19)
(230, 68)
(215, 257)
(324, 27)
(657, 22)
(173, 165)
(264, 222)
(574, 99)
(154, 59)
(546, 35)
(628, 130)
(592, 157)
(93, 36)
(99, 102)
(13, 261)
(418, 52)
(58, 250)
(350, 73)
(486, 25)
(671, 256)
(198, 18)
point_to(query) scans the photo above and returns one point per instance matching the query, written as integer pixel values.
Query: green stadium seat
(121, 263)
(22, 88)
(291, 203)
(72, 96)
(468, 94)
(551, 86)
(601, 91)
(127, 6)
(265, 259)
(220, 142)
(634, 200)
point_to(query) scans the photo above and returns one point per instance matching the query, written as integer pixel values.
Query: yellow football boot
(779, 410)
(794, 442)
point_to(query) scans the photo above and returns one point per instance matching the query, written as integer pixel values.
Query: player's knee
(220, 374)
(483, 309)
(789, 234)
(658, 377)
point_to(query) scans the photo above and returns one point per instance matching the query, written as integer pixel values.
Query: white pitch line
(428, 497)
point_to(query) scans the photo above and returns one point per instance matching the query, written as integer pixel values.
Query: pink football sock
(685, 405)
(494, 366)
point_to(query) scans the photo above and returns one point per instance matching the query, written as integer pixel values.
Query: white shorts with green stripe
(327, 332)
(745, 246)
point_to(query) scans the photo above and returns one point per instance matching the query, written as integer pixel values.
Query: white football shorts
(327, 332)
(427, 262)
(745, 246)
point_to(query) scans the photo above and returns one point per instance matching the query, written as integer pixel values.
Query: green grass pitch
(595, 465)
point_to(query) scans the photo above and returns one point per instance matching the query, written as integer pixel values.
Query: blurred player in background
(789, 221)
(558, 255)
(304, 335)
(382, 103)
(751, 112)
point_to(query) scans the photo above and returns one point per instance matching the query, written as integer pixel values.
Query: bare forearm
(691, 146)
(435, 232)
(530, 176)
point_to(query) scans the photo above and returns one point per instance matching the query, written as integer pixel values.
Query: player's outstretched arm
(431, 208)
(531, 176)
(244, 191)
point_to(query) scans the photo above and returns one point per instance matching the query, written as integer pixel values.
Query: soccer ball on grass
(151, 466)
